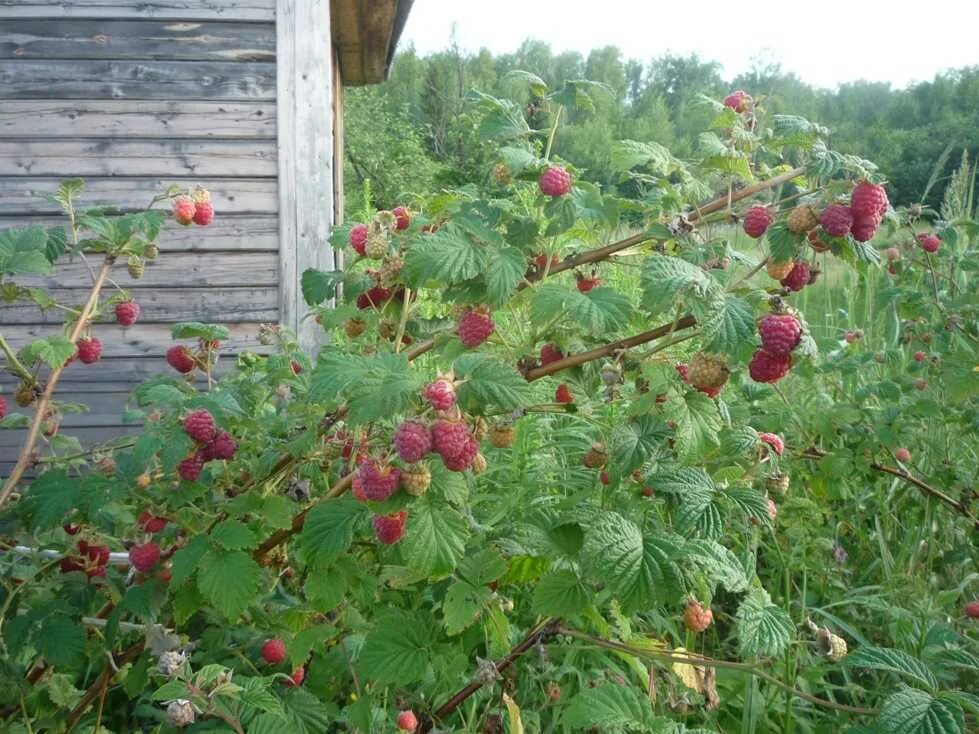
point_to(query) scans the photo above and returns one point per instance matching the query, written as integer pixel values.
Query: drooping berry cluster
(195, 207)
(212, 444)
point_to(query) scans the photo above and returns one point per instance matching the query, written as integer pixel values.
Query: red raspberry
(585, 283)
(378, 481)
(402, 216)
(757, 220)
(929, 242)
(297, 369)
(738, 101)
(780, 333)
(765, 367)
(919, 356)
(89, 350)
(864, 228)
(412, 440)
(373, 298)
(541, 261)
(902, 455)
(563, 394)
(441, 394)
(223, 447)
(647, 492)
(71, 528)
(407, 721)
(683, 370)
(127, 312)
(144, 557)
(550, 353)
(868, 201)
(97, 554)
(711, 392)
(199, 425)
(972, 610)
(773, 440)
(274, 651)
(184, 209)
(697, 618)
(798, 278)
(475, 327)
(3, 407)
(358, 238)
(69, 564)
(296, 679)
(389, 529)
(836, 220)
(151, 523)
(555, 181)
(204, 214)
(180, 358)
(465, 458)
(450, 438)
(190, 468)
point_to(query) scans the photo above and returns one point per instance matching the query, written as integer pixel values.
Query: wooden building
(240, 96)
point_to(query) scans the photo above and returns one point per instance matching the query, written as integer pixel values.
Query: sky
(825, 43)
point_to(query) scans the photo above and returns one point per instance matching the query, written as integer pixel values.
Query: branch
(129, 654)
(14, 365)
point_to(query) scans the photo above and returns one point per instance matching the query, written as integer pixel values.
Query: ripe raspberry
(816, 242)
(3, 407)
(563, 394)
(550, 353)
(773, 440)
(929, 242)
(204, 214)
(756, 221)
(416, 479)
(144, 557)
(151, 523)
(902, 455)
(604, 478)
(555, 181)
(697, 618)
(802, 219)
(501, 435)
(407, 721)
(868, 201)
(864, 228)
(780, 333)
(389, 529)
(972, 610)
(223, 447)
(647, 492)
(475, 327)
(184, 209)
(190, 468)
(412, 440)
(378, 481)
(373, 298)
(779, 270)
(71, 528)
(354, 327)
(274, 651)
(296, 679)
(464, 459)
(765, 367)
(180, 358)
(738, 101)
(358, 238)
(295, 367)
(683, 370)
(919, 356)
(199, 425)
(97, 554)
(585, 283)
(798, 278)
(449, 437)
(441, 393)
(127, 312)
(541, 261)
(707, 371)
(402, 216)
(836, 220)
(89, 350)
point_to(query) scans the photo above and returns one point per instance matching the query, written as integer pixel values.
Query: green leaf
(518, 160)
(24, 251)
(538, 86)
(502, 119)
(635, 442)
(186, 560)
(319, 286)
(254, 694)
(482, 568)
(915, 712)
(234, 535)
(628, 154)
(698, 423)
(462, 605)
(53, 351)
(729, 327)
(448, 256)
(197, 330)
(504, 271)
(397, 651)
(60, 640)
(384, 388)
(325, 588)
(665, 279)
(51, 496)
(436, 537)
(611, 708)
(489, 382)
(229, 581)
(719, 564)
(561, 594)
(329, 529)
(600, 311)
(893, 661)
(306, 713)
(763, 628)
(561, 213)
(783, 244)
(170, 690)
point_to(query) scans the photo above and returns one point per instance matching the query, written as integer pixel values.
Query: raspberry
(929, 242)
(773, 440)
(798, 278)
(902, 455)
(555, 181)
(199, 425)
(204, 214)
(772, 509)
(501, 435)
(190, 468)
(184, 209)
(416, 479)
(563, 394)
(541, 261)
(127, 312)
(756, 221)
(71, 528)
(765, 367)
(441, 394)
(180, 358)
(151, 523)
(697, 618)
(596, 456)
(779, 270)
(550, 353)
(354, 327)
(465, 458)
(389, 529)
(402, 217)
(358, 238)
(296, 679)
(373, 298)
(136, 267)
(449, 437)
(144, 557)
(816, 242)
(780, 333)
(296, 367)
(707, 371)
(892, 254)
(836, 220)
(377, 244)
(585, 283)
(475, 327)
(647, 492)
(181, 713)
(89, 350)
(919, 356)
(738, 101)
(777, 482)
(972, 610)
(274, 651)
(683, 370)
(864, 228)
(97, 554)
(377, 480)
(868, 201)
(412, 440)
(223, 447)
(407, 721)
(802, 219)
(478, 461)
(3, 407)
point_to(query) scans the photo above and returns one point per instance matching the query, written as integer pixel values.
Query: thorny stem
(14, 365)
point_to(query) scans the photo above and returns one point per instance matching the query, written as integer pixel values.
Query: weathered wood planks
(256, 10)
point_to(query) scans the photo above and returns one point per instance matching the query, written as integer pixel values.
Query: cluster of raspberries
(357, 239)
(450, 439)
(212, 443)
(195, 208)
(92, 560)
(780, 335)
(862, 218)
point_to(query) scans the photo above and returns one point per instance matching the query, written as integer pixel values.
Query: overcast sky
(825, 43)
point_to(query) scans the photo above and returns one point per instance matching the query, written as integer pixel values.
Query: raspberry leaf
(729, 327)
(505, 270)
(329, 528)
(915, 712)
(665, 279)
(197, 330)
(613, 708)
(229, 581)
(233, 535)
(636, 442)
(763, 629)
(719, 564)
(462, 605)
(319, 286)
(447, 256)
(561, 594)
(892, 661)
(397, 650)
(488, 381)
(697, 424)
(436, 537)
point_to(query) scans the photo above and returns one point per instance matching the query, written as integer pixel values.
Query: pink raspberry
(180, 358)
(919, 356)
(127, 312)
(274, 651)
(772, 509)
(441, 394)
(296, 679)
(151, 523)
(765, 367)
(902, 455)
(475, 327)
(550, 353)
(144, 557)
(412, 440)
(757, 220)
(868, 201)
(407, 721)
(199, 425)
(798, 278)
(836, 220)
(450, 438)
(204, 214)
(864, 228)
(464, 459)
(358, 238)
(223, 446)
(738, 101)
(929, 242)
(184, 209)
(389, 529)
(773, 440)
(190, 468)
(780, 333)
(377, 481)
(3, 407)
(555, 181)
(89, 350)
(402, 217)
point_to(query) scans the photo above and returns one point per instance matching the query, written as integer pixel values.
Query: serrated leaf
(50, 498)
(448, 256)
(60, 640)
(382, 389)
(396, 652)
(719, 564)
(435, 539)
(233, 535)
(329, 529)
(504, 271)
(482, 568)
(666, 279)
(489, 382)
(198, 330)
(698, 423)
(611, 708)
(319, 286)
(783, 244)
(229, 581)
(892, 661)
(560, 594)
(600, 311)
(305, 712)
(170, 690)
(462, 605)
(186, 560)
(915, 712)
(728, 327)
(635, 442)
(763, 628)
(628, 154)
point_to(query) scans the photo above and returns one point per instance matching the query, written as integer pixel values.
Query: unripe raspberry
(416, 479)
(151, 523)
(89, 350)
(151, 251)
(502, 175)
(441, 393)
(183, 210)
(773, 440)
(354, 327)
(25, 395)
(379, 481)
(892, 254)
(222, 447)
(929, 242)
(274, 651)
(772, 509)
(402, 217)
(697, 618)
(550, 353)
(765, 367)
(389, 529)
(199, 425)
(478, 464)
(555, 181)
(972, 610)
(553, 691)
(836, 220)
(204, 214)
(501, 435)
(475, 327)
(180, 358)
(757, 220)
(798, 278)
(135, 266)
(780, 333)
(707, 371)
(835, 647)
(779, 270)
(921, 383)
(358, 238)
(739, 101)
(412, 440)
(296, 679)
(407, 721)
(127, 312)
(778, 482)
(902, 454)
(377, 244)
(868, 201)
(864, 228)
(190, 468)
(596, 456)
(802, 219)
(144, 557)
(563, 394)
(180, 713)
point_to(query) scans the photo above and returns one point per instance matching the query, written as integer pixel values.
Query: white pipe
(116, 559)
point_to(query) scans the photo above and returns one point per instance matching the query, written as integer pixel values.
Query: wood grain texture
(363, 31)
(185, 80)
(257, 10)
(26, 195)
(119, 374)
(121, 118)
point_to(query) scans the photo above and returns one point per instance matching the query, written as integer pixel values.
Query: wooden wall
(135, 95)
